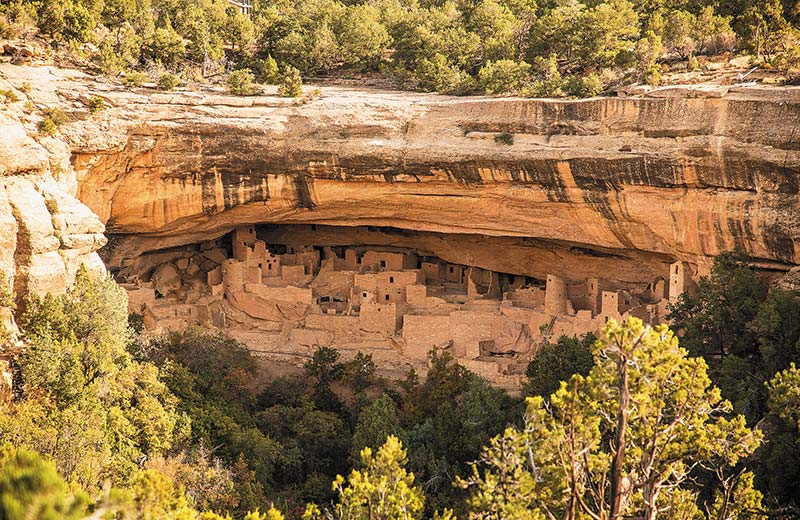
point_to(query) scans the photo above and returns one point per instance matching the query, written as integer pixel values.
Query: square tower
(555, 296)
(244, 238)
(678, 280)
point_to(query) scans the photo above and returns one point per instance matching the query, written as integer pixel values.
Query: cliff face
(45, 232)
(677, 176)
(627, 184)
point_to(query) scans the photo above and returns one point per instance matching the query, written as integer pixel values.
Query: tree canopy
(620, 441)
(574, 47)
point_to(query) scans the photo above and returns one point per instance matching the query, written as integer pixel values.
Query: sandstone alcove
(286, 289)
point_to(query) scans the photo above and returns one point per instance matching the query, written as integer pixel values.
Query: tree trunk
(619, 438)
(650, 499)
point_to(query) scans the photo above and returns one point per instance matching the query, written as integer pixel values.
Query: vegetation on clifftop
(529, 47)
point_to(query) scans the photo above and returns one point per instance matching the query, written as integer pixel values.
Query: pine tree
(620, 441)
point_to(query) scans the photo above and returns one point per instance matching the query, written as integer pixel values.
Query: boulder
(166, 278)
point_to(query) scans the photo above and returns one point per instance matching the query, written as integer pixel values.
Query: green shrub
(504, 76)
(168, 82)
(6, 29)
(583, 86)
(10, 96)
(267, 70)
(51, 205)
(556, 362)
(648, 51)
(652, 76)
(95, 104)
(291, 84)
(108, 59)
(6, 292)
(547, 80)
(134, 79)
(788, 59)
(241, 83)
(165, 46)
(53, 118)
(30, 487)
(439, 75)
(6, 300)
(136, 322)
(58, 116)
(504, 138)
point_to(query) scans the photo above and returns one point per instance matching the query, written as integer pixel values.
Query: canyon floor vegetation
(107, 423)
(527, 47)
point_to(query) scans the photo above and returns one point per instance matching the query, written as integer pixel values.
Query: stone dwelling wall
(379, 317)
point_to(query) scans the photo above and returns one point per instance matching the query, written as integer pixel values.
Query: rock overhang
(681, 173)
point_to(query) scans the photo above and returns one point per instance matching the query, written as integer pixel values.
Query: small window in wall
(324, 299)
(363, 295)
(313, 227)
(269, 266)
(383, 263)
(451, 269)
(260, 266)
(391, 279)
(386, 297)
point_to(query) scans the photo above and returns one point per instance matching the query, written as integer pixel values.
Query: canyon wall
(670, 176)
(46, 234)
(625, 185)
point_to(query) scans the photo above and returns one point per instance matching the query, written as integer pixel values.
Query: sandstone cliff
(622, 185)
(45, 232)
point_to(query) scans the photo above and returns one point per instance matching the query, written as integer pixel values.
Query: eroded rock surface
(683, 172)
(45, 232)
(681, 177)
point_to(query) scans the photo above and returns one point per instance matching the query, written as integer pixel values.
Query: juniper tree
(620, 441)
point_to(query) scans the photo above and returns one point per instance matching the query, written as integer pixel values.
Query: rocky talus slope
(620, 185)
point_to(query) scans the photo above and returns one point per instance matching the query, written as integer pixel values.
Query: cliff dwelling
(285, 290)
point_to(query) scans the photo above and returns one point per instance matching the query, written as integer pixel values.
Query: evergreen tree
(291, 84)
(620, 441)
(85, 402)
(383, 490)
(30, 487)
(557, 362)
(377, 422)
